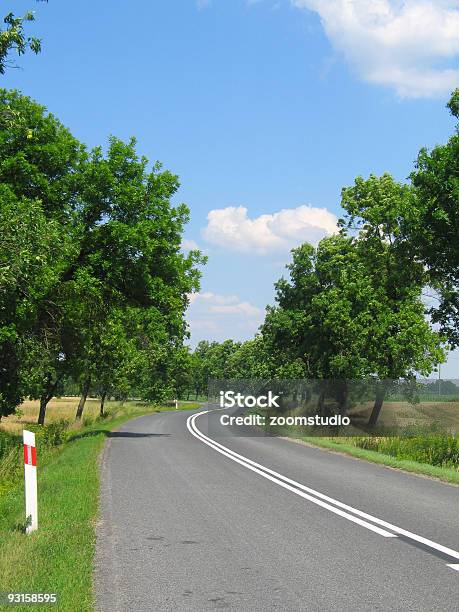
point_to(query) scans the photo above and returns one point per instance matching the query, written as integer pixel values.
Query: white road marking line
(455, 566)
(257, 467)
(197, 434)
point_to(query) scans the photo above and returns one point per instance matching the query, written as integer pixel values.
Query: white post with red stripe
(30, 474)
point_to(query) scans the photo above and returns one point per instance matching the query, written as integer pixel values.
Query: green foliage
(7, 442)
(439, 450)
(130, 256)
(403, 343)
(93, 282)
(346, 314)
(38, 159)
(453, 103)
(318, 319)
(11, 458)
(433, 231)
(54, 434)
(13, 38)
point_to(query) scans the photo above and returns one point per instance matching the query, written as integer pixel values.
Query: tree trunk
(42, 413)
(343, 397)
(102, 403)
(320, 403)
(380, 395)
(84, 395)
(46, 396)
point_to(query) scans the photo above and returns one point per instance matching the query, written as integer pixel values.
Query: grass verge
(445, 474)
(58, 557)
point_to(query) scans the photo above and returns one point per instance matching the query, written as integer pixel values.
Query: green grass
(441, 473)
(418, 444)
(194, 398)
(58, 557)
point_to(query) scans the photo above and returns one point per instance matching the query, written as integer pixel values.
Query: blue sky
(264, 108)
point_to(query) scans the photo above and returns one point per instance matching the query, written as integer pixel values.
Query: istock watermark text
(230, 399)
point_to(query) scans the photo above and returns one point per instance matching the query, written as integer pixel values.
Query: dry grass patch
(59, 408)
(404, 414)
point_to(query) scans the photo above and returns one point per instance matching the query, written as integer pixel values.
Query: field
(64, 408)
(402, 414)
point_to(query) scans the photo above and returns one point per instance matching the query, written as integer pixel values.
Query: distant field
(65, 408)
(396, 417)
(403, 414)
(426, 397)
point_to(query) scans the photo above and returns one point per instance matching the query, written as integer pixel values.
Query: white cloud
(232, 228)
(225, 304)
(405, 44)
(189, 245)
(243, 308)
(212, 316)
(213, 297)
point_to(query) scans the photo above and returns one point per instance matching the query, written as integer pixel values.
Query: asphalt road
(190, 525)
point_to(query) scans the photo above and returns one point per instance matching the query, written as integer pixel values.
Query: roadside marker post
(30, 478)
(176, 404)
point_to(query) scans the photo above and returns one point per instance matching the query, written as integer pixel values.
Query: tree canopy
(91, 263)
(433, 232)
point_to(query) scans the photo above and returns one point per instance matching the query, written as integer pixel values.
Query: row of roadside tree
(93, 282)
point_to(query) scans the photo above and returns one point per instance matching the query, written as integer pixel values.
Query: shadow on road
(132, 434)
(116, 434)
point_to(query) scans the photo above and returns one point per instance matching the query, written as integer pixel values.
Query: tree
(201, 367)
(33, 250)
(130, 256)
(351, 309)
(321, 323)
(13, 38)
(38, 157)
(402, 344)
(181, 371)
(251, 359)
(432, 229)
(215, 359)
(113, 363)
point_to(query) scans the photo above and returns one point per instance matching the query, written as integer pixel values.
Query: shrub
(55, 433)
(437, 449)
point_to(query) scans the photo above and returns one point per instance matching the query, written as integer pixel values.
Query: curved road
(193, 519)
